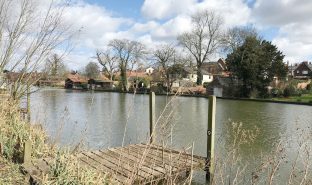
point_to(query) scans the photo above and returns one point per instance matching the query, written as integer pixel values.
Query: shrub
(290, 91)
(276, 92)
(205, 84)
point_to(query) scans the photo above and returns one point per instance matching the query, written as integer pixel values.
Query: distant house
(220, 86)
(191, 75)
(76, 81)
(218, 68)
(149, 71)
(51, 81)
(303, 70)
(101, 83)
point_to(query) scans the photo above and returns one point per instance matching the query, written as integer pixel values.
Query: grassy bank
(14, 132)
(306, 98)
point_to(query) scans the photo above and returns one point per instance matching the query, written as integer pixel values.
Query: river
(105, 119)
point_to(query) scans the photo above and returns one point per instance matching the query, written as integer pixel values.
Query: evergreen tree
(256, 63)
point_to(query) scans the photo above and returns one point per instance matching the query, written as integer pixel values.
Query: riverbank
(302, 100)
(15, 132)
(10, 173)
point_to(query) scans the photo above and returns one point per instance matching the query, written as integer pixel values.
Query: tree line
(250, 58)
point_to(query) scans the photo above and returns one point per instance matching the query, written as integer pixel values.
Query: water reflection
(104, 120)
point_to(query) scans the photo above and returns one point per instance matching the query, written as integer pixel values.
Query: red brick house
(303, 70)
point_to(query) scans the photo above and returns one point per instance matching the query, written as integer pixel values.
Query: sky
(286, 23)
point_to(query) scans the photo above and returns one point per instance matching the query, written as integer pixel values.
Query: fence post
(27, 152)
(151, 114)
(28, 102)
(210, 136)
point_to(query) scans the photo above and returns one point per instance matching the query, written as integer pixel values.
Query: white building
(149, 71)
(192, 75)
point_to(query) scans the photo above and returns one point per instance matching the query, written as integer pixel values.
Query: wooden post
(28, 103)
(152, 114)
(1, 149)
(210, 136)
(27, 152)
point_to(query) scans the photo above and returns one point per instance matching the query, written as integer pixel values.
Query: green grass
(306, 98)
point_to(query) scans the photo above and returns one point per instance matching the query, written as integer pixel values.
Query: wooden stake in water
(211, 136)
(151, 114)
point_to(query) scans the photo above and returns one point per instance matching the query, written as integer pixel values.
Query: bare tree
(92, 70)
(55, 66)
(108, 61)
(204, 39)
(29, 32)
(235, 37)
(128, 54)
(165, 58)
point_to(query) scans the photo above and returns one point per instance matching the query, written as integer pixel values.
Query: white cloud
(292, 19)
(282, 12)
(95, 23)
(172, 28)
(166, 19)
(160, 9)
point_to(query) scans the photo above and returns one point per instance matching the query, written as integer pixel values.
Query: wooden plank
(157, 159)
(135, 164)
(122, 163)
(140, 164)
(176, 157)
(168, 158)
(195, 157)
(147, 163)
(89, 162)
(109, 164)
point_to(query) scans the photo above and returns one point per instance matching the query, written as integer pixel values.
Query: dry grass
(276, 167)
(14, 132)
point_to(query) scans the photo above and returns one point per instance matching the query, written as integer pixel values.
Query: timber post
(28, 102)
(151, 114)
(27, 152)
(210, 136)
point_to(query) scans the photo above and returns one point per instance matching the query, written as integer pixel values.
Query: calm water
(101, 120)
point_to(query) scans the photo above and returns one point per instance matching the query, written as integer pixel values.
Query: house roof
(190, 70)
(221, 81)
(77, 78)
(134, 74)
(31, 77)
(308, 64)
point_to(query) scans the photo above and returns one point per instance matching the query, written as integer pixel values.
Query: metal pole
(210, 136)
(151, 114)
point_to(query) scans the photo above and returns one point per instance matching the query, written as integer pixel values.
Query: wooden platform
(133, 164)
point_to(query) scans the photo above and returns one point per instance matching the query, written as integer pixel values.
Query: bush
(205, 84)
(276, 92)
(290, 91)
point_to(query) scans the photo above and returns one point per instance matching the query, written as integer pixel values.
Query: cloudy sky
(287, 23)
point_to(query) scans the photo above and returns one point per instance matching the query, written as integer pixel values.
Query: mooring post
(210, 136)
(27, 152)
(28, 103)
(152, 113)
